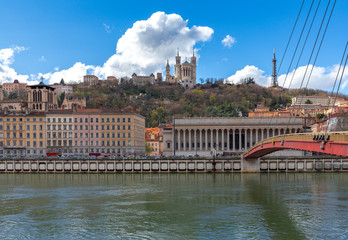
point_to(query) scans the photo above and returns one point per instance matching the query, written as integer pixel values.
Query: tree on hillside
(248, 80)
(60, 99)
(62, 82)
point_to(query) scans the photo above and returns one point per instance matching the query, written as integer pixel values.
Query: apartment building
(121, 133)
(86, 131)
(60, 132)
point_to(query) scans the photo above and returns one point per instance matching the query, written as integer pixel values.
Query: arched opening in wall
(40, 96)
(40, 106)
(276, 132)
(34, 106)
(34, 96)
(10, 107)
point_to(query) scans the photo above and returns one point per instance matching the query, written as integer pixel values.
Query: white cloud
(75, 73)
(8, 74)
(145, 46)
(143, 49)
(228, 41)
(246, 72)
(321, 78)
(7, 54)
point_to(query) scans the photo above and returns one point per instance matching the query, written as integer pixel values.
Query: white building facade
(228, 136)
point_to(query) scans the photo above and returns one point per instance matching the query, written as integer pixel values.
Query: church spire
(274, 82)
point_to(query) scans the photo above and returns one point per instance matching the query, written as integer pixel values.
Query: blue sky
(55, 35)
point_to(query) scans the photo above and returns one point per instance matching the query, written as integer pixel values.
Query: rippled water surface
(174, 206)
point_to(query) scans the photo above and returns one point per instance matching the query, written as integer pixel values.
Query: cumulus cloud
(228, 41)
(321, 78)
(142, 49)
(145, 46)
(74, 73)
(8, 74)
(246, 72)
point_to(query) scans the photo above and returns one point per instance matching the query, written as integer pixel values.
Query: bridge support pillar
(250, 165)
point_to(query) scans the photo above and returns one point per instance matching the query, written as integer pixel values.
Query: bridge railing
(334, 136)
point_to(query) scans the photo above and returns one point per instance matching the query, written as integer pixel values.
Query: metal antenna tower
(274, 82)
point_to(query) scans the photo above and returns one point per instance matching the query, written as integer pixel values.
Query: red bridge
(335, 143)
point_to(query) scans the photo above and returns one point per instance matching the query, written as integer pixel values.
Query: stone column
(234, 140)
(211, 139)
(222, 140)
(228, 140)
(184, 136)
(251, 137)
(179, 143)
(190, 141)
(245, 138)
(262, 132)
(195, 136)
(200, 140)
(217, 140)
(257, 135)
(206, 139)
(240, 139)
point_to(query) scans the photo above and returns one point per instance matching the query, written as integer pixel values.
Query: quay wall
(166, 166)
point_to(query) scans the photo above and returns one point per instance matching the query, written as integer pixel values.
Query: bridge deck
(336, 145)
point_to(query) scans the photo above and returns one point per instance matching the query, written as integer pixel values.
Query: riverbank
(164, 166)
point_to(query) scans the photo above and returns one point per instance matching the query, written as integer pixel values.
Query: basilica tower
(177, 67)
(194, 66)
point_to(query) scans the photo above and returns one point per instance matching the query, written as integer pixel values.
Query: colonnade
(223, 140)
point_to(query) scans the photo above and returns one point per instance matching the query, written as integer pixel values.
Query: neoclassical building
(185, 73)
(231, 136)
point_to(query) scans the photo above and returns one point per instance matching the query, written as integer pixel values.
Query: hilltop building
(90, 80)
(16, 86)
(60, 88)
(185, 73)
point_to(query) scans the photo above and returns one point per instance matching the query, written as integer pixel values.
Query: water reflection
(185, 206)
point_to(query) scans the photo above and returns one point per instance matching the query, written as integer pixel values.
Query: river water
(174, 206)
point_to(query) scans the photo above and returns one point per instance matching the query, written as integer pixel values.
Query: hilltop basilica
(185, 73)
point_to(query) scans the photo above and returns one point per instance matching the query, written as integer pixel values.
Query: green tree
(148, 149)
(60, 99)
(157, 116)
(62, 81)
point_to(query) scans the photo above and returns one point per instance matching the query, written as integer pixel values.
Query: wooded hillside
(160, 102)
